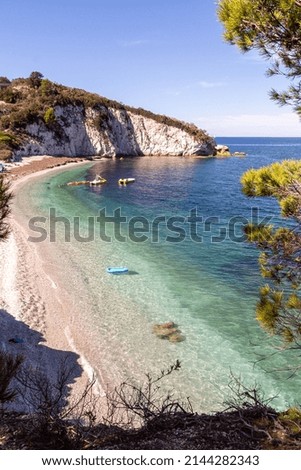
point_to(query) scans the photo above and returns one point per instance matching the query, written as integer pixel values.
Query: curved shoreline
(91, 313)
(64, 328)
(32, 305)
(57, 316)
(35, 164)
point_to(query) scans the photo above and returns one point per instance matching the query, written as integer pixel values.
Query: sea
(179, 230)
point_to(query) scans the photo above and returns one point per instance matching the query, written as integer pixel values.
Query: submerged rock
(176, 337)
(169, 331)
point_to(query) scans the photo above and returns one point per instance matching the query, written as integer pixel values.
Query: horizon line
(256, 137)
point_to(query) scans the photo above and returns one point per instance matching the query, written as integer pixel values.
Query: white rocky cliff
(80, 131)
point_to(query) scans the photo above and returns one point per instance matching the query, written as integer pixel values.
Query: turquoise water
(209, 288)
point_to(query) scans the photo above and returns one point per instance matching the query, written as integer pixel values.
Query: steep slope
(46, 118)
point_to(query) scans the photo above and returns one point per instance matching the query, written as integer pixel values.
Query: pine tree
(273, 28)
(279, 306)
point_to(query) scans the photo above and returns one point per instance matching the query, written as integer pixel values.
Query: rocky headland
(39, 117)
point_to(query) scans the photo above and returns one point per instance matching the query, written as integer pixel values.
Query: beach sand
(42, 309)
(29, 165)
(33, 307)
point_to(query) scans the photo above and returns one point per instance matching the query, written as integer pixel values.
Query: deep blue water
(208, 287)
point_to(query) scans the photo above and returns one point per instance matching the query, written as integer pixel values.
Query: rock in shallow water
(168, 330)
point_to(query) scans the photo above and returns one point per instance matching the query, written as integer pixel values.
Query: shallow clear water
(209, 288)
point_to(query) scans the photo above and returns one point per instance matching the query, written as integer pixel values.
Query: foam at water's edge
(91, 373)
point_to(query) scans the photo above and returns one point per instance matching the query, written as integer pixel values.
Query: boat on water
(77, 183)
(98, 180)
(126, 180)
(117, 270)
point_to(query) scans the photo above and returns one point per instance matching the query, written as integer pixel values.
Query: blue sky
(164, 55)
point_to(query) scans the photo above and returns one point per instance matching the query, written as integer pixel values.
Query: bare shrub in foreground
(58, 417)
(131, 405)
(243, 397)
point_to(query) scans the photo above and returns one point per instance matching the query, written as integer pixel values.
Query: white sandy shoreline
(33, 307)
(51, 300)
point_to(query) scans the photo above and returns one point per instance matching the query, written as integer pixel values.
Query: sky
(167, 56)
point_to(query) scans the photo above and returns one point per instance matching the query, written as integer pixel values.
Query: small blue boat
(117, 270)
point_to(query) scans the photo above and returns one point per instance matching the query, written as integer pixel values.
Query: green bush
(47, 88)
(8, 142)
(49, 116)
(5, 138)
(9, 96)
(22, 117)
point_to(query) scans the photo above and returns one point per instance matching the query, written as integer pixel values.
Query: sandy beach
(40, 309)
(30, 165)
(34, 310)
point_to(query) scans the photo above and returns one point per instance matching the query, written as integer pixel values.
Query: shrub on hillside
(23, 117)
(35, 79)
(9, 95)
(49, 116)
(8, 142)
(47, 88)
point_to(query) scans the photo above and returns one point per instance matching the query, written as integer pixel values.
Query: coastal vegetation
(137, 416)
(273, 27)
(279, 306)
(8, 142)
(49, 116)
